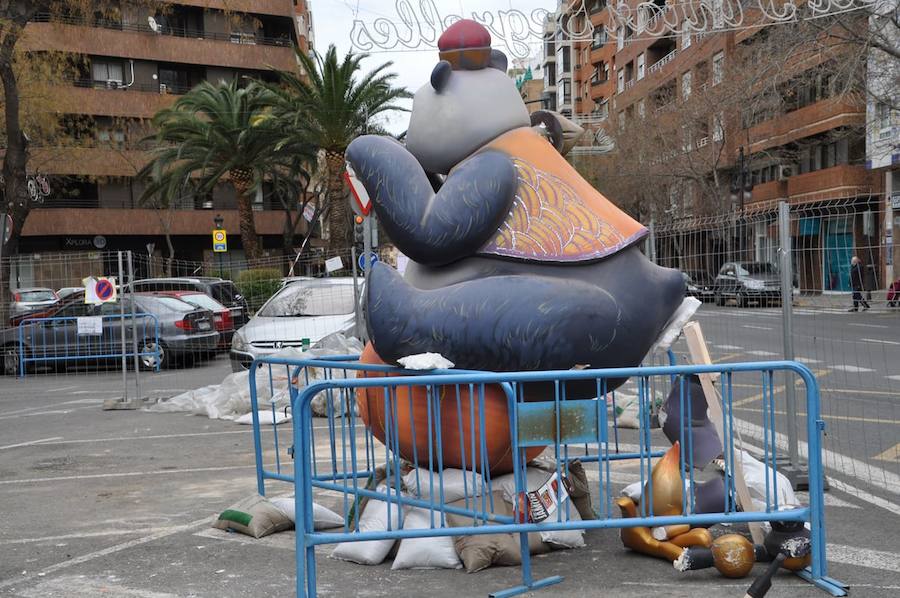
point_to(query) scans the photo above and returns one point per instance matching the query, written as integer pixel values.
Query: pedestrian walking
(856, 283)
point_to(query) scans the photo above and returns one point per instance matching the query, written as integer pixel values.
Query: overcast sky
(339, 22)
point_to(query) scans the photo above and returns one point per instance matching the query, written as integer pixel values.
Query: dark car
(221, 314)
(699, 284)
(223, 291)
(747, 282)
(184, 332)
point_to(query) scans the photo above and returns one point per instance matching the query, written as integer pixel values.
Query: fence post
(356, 314)
(795, 471)
(134, 340)
(121, 281)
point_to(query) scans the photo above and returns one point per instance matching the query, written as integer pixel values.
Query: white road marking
(62, 388)
(863, 557)
(851, 368)
(761, 353)
(808, 360)
(82, 586)
(867, 325)
(879, 341)
(728, 347)
(757, 327)
(154, 437)
(106, 551)
(118, 532)
(897, 377)
(125, 474)
(31, 443)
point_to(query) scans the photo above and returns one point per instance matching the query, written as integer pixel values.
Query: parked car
(699, 284)
(66, 291)
(747, 282)
(221, 314)
(223, 291)
(26, 301)
(51, 309)
(184, 332)
(299, 314)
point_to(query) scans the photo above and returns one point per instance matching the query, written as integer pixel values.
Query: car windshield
(306, 300)
(756, 269)
(204, 301)
(36, 296)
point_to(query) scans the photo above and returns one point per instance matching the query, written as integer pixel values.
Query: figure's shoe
(852, 309)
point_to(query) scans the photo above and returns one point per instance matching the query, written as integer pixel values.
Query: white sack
(323, 518)
(374, 519)
(457, 484)
(535, 478)
(426, 361)
(425, 553)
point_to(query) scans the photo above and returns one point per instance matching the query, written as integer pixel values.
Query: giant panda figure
(517, 263)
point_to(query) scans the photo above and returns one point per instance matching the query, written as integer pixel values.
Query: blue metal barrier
(56, 340)
(346, 458)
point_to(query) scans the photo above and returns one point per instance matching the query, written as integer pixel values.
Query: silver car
(303, 311)
(31, 300)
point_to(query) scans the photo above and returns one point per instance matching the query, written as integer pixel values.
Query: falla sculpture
(516, 261)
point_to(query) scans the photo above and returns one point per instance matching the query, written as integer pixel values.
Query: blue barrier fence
(564, 411)
(61, 341)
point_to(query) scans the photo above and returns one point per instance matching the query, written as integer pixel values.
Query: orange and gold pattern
(556, 215)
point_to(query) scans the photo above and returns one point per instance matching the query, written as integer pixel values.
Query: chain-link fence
(843, 320)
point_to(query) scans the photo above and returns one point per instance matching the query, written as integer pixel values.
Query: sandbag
(374, 518)
(458, 484)
(323, 518)
(254, 516)
(436, 552)
(483, 551)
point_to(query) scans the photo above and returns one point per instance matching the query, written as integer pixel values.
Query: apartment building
(808, 148)
(134, 65)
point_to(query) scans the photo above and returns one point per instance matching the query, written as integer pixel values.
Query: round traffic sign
(219, 236)
(373, 257)
(104, 290)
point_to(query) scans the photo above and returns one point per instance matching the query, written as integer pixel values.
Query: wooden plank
(700, 356)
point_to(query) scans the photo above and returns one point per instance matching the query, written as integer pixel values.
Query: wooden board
(700, 356)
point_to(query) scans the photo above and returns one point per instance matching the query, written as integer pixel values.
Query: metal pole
(134, 340)
(356, 314)
(120, 280)
(367, 246)
(795, 471)
(651, 240)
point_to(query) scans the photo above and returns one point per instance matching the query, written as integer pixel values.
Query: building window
(563, 59)
(620, 38)
(620, 81)
(686, 85)
(566, 90)
(882, 116)
(600, 36)
(107, 71)
(718, 68)
(718, 128)
(685, 36)
(640, 66)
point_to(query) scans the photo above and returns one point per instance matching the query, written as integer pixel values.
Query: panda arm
(434, 228)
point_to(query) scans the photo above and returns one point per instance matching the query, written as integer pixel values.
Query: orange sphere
(412, 422)
(733, 555)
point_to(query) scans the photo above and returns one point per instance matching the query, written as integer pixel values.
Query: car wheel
(11, 360)
(149, 362)
(740, 300)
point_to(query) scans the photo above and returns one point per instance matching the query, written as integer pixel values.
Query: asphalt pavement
(120, 503)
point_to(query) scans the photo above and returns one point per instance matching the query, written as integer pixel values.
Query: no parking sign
(99, 290)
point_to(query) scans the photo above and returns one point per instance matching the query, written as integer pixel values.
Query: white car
(303, 311)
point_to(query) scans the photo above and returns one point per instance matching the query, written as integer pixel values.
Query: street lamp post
(218, 221)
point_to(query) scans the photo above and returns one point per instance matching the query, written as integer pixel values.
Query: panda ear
(440, 75)
(499, 60)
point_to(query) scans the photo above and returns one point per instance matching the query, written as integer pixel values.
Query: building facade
(807, 148)
(133, 65)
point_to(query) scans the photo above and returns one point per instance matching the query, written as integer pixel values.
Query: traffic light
(358, 230)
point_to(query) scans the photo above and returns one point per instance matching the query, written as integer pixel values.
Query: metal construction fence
(852, 343)
(490, 425)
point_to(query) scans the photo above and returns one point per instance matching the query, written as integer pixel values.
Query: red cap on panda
(466, 45)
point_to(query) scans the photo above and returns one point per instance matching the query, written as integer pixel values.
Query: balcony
(139, 222)
(838, 181)
(85, 36)
(88, 161)
(810, 120)
(96, 98)
(657, 66)
(279, 8)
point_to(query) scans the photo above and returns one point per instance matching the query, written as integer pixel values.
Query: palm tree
(330, 106)
(216, 132)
